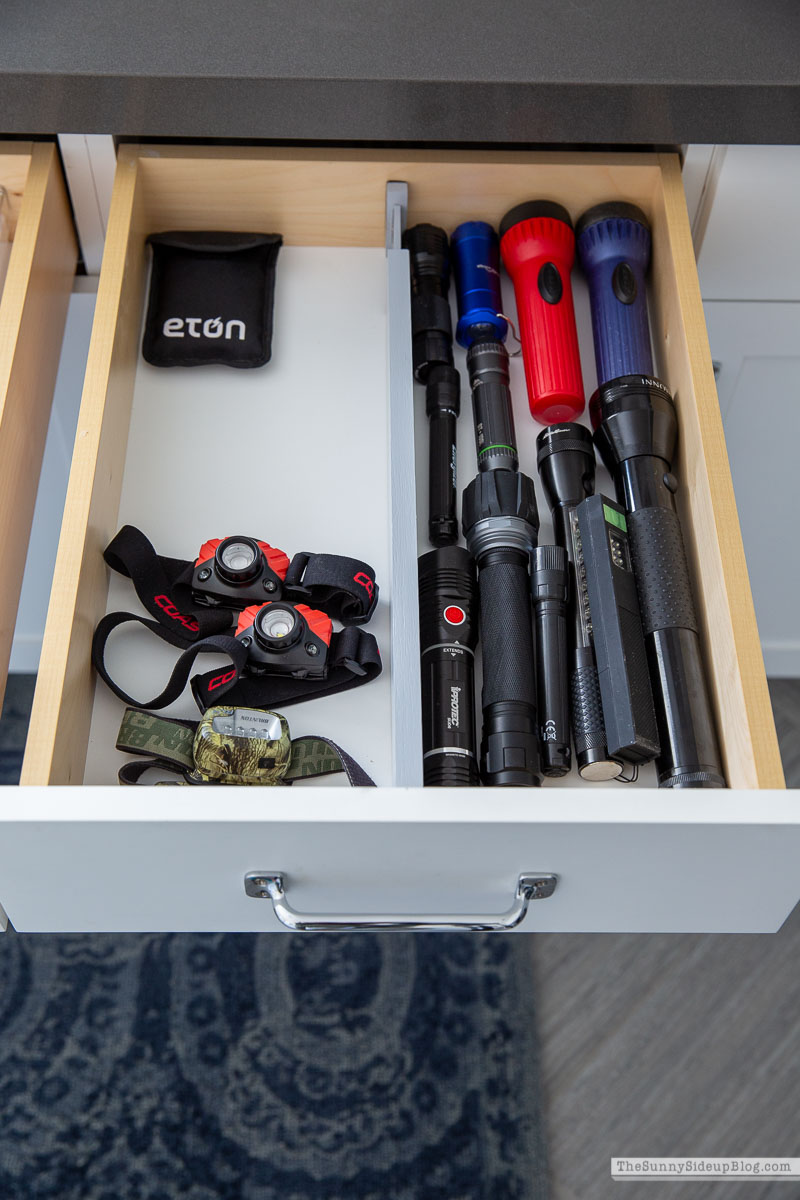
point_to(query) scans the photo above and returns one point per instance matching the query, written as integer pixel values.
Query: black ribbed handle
(662, 573)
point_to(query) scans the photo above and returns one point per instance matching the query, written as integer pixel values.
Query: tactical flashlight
(431, 326)
(549, 588)
(501, 522)
(448, 634)
(538, 248)
(442, 405)
(636, 428)
(613, 243)
(565, 457)
(432, 353)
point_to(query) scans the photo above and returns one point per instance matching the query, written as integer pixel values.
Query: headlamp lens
(238, 556)
(238, 559)
(277, 625)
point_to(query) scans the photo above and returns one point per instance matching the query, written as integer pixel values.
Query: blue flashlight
(476, 266)
(613, 243)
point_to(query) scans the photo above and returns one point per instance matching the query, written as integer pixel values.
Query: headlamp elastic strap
(167, 743)
(344, 588)
(354, 659)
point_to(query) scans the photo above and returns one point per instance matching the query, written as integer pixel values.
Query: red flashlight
(537, 243)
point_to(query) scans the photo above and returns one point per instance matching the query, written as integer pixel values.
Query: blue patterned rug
(268, 1067)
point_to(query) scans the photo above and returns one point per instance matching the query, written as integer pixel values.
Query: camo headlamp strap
(169, 744)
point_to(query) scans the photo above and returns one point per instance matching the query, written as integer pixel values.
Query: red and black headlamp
(285, 639)
(233, 571)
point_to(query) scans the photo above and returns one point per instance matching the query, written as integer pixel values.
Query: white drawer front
(156, 860)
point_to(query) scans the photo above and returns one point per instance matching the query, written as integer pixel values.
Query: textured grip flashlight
(636, 427)
(501, 523)
(448, 633)
(538, 248)
(476, 267)
(614, 250)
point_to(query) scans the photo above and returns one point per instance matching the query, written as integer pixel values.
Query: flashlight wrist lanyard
(344, 588)
(354, 659)
(169, 744)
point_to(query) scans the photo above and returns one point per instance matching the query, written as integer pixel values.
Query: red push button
(454, 615)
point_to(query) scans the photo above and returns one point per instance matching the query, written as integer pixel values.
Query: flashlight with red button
(537, 243)
(448, 634)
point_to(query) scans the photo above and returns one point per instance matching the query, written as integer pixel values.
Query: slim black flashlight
(565, 457)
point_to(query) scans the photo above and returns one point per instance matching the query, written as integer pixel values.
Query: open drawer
(318, 449)
(36, 273)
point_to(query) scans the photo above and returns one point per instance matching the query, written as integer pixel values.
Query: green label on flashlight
(615, 518)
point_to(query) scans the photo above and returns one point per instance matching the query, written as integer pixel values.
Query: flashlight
(431, 326)
(432, 354)
(565, 457)
(636, 428)
(501, 523)
(476, 267)
(537, 243)
(448, 635)
(613, 242)
(442, 405)
(549, 588)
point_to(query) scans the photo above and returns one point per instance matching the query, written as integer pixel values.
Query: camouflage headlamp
(242, 745)
(245, 746)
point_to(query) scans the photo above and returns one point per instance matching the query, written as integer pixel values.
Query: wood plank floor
(673, 1044)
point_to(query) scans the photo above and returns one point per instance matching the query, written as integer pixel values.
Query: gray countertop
(518, 71)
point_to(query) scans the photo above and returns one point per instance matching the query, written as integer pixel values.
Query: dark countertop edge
(397, 111)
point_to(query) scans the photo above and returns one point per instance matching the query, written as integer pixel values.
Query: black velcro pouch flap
(211, 299)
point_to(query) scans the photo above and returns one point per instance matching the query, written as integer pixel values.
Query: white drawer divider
(405, 690)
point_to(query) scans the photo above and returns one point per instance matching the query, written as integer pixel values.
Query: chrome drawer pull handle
(270, 885)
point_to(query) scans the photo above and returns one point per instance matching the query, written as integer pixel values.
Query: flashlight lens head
(565, 458)
(633, 416)
(613, 211)
(277, 626)
(530, 210)
(238, 559)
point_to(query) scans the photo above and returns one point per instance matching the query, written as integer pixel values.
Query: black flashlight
(432, 355)
(565, 457)
(636, 427)
(550, 589)
(448, 635)
(501, 524)
(443, 405)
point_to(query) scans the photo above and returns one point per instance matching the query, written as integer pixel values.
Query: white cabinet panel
(757, 347)
(751, 246)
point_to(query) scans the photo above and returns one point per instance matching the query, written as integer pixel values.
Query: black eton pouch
(211, 298)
